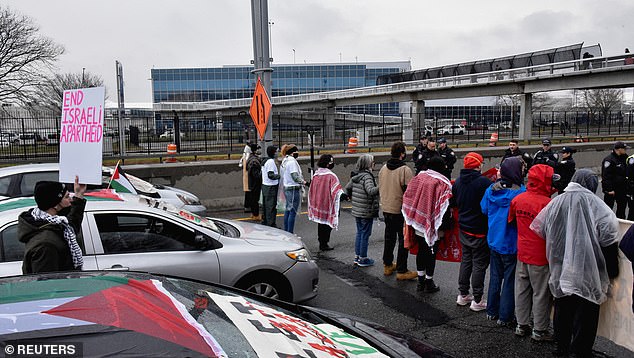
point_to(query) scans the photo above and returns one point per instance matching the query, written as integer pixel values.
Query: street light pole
(261, 56)
(293, 56)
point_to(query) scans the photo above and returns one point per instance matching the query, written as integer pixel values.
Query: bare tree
(50, 92)
(25, 57)
(602, 101)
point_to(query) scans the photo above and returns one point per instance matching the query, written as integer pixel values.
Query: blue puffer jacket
(502, 237)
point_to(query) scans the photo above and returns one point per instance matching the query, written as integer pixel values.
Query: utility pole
(121, 105)
(262, 57)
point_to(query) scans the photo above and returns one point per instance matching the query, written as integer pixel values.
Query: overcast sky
(209, 33)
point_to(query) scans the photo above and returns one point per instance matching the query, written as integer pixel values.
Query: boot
(420, 287)
(430, 286)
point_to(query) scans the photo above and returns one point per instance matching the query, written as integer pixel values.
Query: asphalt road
(434, 318)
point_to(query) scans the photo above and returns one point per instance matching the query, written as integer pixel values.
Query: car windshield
(181, 213)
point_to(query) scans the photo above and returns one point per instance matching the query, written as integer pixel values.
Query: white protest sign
(81, 135)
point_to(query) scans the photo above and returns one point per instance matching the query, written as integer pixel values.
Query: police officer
(613, 179)
(426, 154)
(565, 168)
(420, 148)
(515, 151)
(546, 155)
(448, 156)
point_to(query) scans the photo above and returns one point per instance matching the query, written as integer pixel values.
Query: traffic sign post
(260, 109)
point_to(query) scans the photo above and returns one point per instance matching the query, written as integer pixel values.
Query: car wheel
(266, 284)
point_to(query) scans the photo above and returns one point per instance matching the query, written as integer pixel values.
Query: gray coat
(364, 193)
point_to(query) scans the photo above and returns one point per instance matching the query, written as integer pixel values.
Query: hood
(586, 178)
(502, 195)
(394, 163)
(29, 226)
(469, 175)
(540, 179)
(511, 171)
(261, 235)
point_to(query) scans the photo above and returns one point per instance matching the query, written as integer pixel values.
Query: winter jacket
(546, 157)
(518, 153)
(425, 156)
(468, 191)
(364, 192)
(393, 180)
(565, 168)
(531, 248)
(613, 173)
(46, 249)
(449, 157)
(502, 237)
(254, 169)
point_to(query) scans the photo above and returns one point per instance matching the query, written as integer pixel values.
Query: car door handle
(117, 268)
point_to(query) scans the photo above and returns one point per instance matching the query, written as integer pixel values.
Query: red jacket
(531, 248)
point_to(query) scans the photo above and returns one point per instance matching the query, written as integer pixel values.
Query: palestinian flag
(132, 316)
(120, 182)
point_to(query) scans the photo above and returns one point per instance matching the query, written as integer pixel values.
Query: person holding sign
(49, 231)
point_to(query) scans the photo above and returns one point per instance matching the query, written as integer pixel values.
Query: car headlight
(188, 200)
(299, 255)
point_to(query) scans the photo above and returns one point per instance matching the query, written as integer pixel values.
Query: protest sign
(81, 135)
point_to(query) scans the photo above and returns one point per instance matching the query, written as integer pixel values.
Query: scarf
(425, 202)
(323, 198)
(69, 233)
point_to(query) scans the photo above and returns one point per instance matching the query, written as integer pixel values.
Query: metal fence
(36, 137)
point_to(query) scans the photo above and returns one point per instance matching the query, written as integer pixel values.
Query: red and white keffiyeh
(425, 202)
(323, 198)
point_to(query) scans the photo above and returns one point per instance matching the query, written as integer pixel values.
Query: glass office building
(234, 82)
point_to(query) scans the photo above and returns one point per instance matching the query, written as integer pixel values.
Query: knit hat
(48, 194)
(472, 160)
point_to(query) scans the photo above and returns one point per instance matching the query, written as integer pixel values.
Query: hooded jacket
(468, 191)
(365, 195)
(393, 179)
(46, 249)
(531, 248)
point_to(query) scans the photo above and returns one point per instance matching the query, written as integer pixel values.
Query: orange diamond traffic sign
(260, 108)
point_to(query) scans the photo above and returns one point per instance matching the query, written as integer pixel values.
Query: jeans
(292, 195)
(474, 264)
(502, 286)
(394, 231)
(269, 205)
(364, 230)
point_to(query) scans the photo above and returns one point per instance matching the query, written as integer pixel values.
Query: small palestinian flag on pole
(120, 182)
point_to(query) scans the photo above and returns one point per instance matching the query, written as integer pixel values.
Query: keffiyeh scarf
(69, 233)
(323, 198)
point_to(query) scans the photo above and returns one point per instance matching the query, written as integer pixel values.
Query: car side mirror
(203, 242)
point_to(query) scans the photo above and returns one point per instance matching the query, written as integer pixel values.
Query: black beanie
(48, 194)
(270, 151)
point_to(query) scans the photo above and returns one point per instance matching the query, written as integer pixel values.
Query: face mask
(295, 155)
(331, 165)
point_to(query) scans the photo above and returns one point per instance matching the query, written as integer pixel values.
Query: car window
(5, 182)
(128, 233)
(30, 179)
(11, 249)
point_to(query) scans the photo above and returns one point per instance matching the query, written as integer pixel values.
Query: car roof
(17, 169)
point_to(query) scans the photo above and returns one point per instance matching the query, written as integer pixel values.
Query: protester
(254, 170)
(293, 181)
(270, 185)
(245, 177)
(546, 155)
(49, 231)
(448, 156)
(323, 200)
(425, 203)
(565, 168)
(515, 151)
(468, 191)
(613, 175)
(393, 179)
(532, 296)
(428, 152)
(502, 240)
(364, 193)
(581, 246)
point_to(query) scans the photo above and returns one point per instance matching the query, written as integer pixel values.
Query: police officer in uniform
(565, 168)
(420, 148)
(546, 155)
(448, 156)
(427, 153)
(613, 179)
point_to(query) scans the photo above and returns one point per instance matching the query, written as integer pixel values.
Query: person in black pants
(613, 179)
(565, 168)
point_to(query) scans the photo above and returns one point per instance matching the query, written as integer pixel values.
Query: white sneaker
(464, 300)
(478, 306)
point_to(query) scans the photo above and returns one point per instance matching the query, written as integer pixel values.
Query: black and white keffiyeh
(69, 234)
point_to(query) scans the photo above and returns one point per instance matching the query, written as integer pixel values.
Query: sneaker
(388, 270)
(479, 306)
(522, 330)
(542, 336)
(406, 276)
(365, 262)
(464, 300)
(326, 248)
(430, 286)
(492, 317)
(356, 260)
(506, 324)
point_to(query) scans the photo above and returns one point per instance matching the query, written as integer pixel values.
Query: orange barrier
(353, 143)
(494, 139)
(171, 152)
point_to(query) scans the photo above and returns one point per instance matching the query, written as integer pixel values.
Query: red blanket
(425, 202)
(323, 198)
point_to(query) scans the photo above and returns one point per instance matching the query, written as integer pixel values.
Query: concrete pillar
(329, 133)
(418, 118)
(526, 116)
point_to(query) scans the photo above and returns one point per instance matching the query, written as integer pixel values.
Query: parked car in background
(452, 129)
(142, 234)
(19, 180)
(169, 134)
(155, 315)
(11, 137)
(30, 138)
(428, 130)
